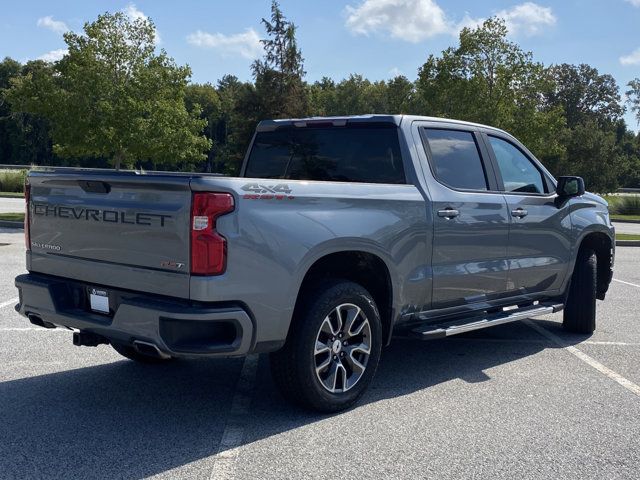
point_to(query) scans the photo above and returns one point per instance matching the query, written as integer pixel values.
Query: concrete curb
(9, 224)
(627, 243)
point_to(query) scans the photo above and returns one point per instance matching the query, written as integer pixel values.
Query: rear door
(470, 217)
(540, 227)
(115, 229)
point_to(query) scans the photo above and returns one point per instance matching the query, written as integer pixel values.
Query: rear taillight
(208, 247)
(27, 231)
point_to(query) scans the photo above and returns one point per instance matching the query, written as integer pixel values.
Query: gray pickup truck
(339, 233)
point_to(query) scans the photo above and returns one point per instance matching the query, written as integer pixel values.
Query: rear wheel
(333, 348)
(132, 354)
(580, 310)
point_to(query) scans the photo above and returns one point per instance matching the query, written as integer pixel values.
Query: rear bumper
(176, 327)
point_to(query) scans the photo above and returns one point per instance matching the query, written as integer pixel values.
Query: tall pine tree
(278, 76)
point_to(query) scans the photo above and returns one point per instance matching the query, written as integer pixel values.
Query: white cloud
(635, 3)
(467, 22)
(134, 13)
(410, 20)
(57, 26)
(632, 59)
(394, 72)
(53, 55)
(528, 18)
(418, 20)
(246, 44)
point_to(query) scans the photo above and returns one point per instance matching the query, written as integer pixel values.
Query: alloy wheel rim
(342, 348)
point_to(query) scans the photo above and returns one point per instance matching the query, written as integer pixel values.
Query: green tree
(633, 97)
(584, 94)
(400, 93)
(491, 80)
(204, 98)
(591, 103)
(24, 138)
(322, 97)
(353, 96)
(592, 154)
(112, 96)
(240, 112)
(278, 76)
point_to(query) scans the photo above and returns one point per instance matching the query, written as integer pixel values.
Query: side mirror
(570, 187)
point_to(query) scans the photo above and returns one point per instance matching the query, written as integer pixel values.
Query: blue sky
(377, 38)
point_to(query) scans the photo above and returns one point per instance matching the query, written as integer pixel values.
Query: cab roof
(340, 121)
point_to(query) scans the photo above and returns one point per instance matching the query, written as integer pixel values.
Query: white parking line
(224, 462)
(31, 329)
(592, 362)
(618, 344)
(626, 283)
(11, 301)
(532, 341)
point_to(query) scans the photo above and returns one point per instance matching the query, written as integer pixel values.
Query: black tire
(294, 366)
(580, 310)
(132, 354)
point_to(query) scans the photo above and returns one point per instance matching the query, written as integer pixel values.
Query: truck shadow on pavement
(122, 419)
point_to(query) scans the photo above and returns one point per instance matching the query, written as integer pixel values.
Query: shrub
(12, 180)
(626, 205)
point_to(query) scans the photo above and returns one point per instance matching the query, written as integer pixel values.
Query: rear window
(341, 154)
(456, 159)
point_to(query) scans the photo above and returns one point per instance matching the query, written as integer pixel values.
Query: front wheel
(580, 310)
(333, 349)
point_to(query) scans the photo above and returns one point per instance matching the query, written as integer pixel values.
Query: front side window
(518, 173)
(456, 159)
(368, 154)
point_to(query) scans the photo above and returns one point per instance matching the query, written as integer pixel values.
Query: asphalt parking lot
(523, 400)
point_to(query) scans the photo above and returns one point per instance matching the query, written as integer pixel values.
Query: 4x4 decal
(279, 191)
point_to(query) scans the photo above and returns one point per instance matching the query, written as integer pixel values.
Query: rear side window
(518, 173)
(368, 154)
(456, 159)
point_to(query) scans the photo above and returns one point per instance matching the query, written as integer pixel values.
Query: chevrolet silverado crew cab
(338, 233)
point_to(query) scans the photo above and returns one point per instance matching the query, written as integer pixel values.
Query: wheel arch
(360, 266)
(602, 244)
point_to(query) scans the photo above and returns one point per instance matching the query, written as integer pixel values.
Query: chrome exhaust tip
(150, 349)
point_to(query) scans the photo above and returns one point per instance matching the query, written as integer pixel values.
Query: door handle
(448, 213)
(519, 212)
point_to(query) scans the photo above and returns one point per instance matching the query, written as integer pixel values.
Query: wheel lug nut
(342, 354)
(335, 357)
(344, 343)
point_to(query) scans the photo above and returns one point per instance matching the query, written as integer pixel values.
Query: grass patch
(625, 205)
(627, 236)
(635, 218)
(12, 180)
(12, 194)
(12, 217)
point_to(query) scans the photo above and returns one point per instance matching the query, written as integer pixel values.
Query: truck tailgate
(115, 229)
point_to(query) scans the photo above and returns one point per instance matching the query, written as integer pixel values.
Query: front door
(470, 218)
(540, 227)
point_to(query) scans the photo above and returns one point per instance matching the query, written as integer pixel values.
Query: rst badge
(171, 264)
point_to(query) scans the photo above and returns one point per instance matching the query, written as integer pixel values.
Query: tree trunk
(117, 159)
